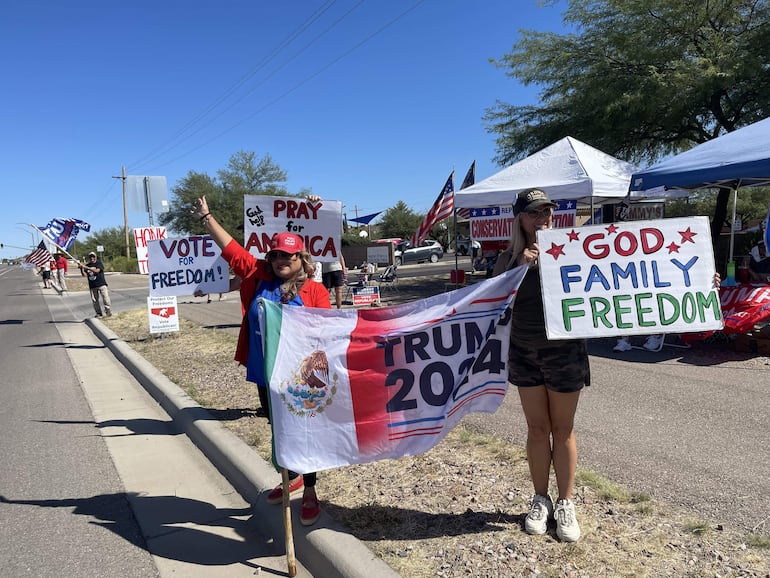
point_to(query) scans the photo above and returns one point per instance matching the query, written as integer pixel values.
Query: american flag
(39, 256)
(469, 180)
(441, 209)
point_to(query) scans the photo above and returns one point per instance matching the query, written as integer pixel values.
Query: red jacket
(251, 271)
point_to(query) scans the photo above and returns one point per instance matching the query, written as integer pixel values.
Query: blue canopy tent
(737, 159)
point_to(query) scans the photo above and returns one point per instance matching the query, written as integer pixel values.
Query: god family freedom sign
(639, 277)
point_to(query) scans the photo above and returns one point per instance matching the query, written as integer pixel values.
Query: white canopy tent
(567, 169)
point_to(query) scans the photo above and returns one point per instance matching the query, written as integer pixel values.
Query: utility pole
(125, 211)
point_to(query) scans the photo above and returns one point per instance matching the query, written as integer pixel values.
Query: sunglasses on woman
(545, 213)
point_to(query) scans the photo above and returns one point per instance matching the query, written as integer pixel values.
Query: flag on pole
(356, 386)
(468, 181)
(39, 257)
(62, 232)
(767, 230)
(441, 209)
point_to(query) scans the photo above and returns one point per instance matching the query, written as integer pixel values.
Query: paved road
(96, 480)
(689, 426)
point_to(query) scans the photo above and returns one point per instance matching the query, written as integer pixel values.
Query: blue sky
(367, 102)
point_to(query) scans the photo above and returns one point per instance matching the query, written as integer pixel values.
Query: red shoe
(276, 494)
(310, 512)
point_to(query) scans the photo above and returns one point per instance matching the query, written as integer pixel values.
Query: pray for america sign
(633, 277)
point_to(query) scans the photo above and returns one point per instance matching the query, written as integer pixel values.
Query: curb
(327, 549)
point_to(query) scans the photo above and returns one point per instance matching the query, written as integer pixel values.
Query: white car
(429, 250)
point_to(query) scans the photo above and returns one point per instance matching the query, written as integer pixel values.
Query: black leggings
(264, 401)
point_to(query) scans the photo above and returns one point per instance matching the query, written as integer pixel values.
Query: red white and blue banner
(632, 277)
(351, 387)
(63, 232)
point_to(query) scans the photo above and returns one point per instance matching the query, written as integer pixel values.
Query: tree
(113, 240)
(399, 221)
(244, 175)
(640, 79)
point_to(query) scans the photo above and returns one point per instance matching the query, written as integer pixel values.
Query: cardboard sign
(142, 236)
(182, 266)
(640, 277)
(163, 313)
(319, 223)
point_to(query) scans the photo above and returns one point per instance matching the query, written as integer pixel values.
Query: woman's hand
(529, 255)
(200, 207)
(313, 198)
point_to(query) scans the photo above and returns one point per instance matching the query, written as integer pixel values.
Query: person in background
(333, 275)
(548, 375)
(45, 272)
(759, 265)
(284, 276)
(97, 284)
(62, 268)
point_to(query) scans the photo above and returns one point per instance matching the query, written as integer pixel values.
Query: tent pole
(732, 225)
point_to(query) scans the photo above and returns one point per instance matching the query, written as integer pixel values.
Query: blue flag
(62, 232)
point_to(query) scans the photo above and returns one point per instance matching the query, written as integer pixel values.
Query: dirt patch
(458, 510)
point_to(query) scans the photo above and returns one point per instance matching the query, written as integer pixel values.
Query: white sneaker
(540, 512)
(567, 528)
(654, 342)
(622, 345)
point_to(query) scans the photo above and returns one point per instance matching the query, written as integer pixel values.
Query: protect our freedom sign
(640, 277)
(350, 387)
(319, 223)
(182, 266)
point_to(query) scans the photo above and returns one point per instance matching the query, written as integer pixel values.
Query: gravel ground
(458, 510)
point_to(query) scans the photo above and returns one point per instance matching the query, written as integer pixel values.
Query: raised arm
(201, 210)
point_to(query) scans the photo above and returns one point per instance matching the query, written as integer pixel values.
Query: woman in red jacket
(285, 276)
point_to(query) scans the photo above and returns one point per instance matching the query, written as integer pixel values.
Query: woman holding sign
(284, 276)
(548, 374)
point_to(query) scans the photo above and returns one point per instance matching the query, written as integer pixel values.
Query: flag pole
(62, 249)
(291, 560)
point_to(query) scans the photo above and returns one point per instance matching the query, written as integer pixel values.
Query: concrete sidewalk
(326, 549)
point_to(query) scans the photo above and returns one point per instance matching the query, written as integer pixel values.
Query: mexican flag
(357, 386)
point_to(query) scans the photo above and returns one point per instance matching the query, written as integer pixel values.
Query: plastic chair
(388, 278)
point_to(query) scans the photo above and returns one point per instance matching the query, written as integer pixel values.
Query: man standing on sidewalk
(94, 270)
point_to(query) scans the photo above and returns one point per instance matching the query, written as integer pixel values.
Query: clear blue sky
(367, 102)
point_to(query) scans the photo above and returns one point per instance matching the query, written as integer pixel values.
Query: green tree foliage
(399, 221)
(114, 242)
(640, 79)
(244, 175)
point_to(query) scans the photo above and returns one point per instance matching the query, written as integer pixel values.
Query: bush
(123, 265)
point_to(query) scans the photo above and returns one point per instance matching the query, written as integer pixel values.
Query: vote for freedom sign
(633, 277)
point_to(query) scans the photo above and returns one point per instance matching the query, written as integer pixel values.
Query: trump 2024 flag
(357, 386)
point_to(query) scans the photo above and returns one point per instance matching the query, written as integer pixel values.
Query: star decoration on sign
(612, 229)
(555, 251)
(672, 248)
(573, 235)
(687, 236)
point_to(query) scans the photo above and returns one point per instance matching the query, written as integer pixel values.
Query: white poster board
(319, 223)
(163, 313)
(182, 266)
(142, 236)
(637, 278)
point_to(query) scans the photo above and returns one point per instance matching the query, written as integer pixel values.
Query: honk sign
(632, 277)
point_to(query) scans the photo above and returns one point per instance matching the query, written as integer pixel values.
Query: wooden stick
(291, 560)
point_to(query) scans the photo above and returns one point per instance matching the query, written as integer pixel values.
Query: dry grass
(458, 510)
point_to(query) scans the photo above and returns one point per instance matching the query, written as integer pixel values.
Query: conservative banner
(182, 266)
(494, 223)
(640, 277)
(350, 387)
(319, 223)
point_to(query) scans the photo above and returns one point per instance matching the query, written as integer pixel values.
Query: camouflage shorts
(561, 366)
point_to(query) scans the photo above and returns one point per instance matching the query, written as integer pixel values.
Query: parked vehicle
(429, 250)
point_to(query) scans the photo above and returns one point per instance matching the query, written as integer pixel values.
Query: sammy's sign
(634, 277)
